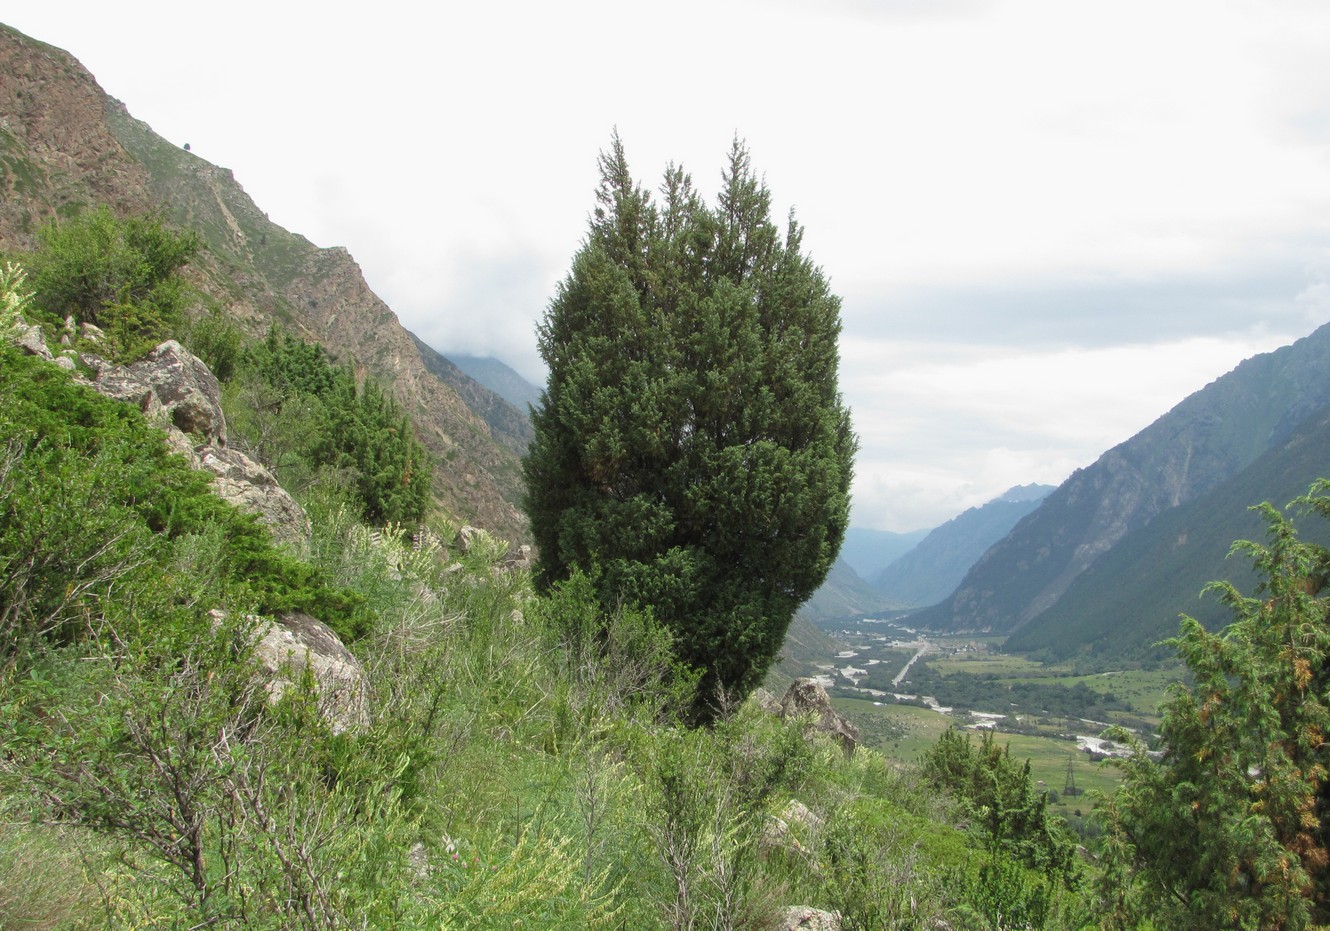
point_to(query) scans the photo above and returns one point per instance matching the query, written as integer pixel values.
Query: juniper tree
(1231, 828)
(692, 452)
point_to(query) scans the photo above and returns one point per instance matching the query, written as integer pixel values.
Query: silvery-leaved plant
(14, 296)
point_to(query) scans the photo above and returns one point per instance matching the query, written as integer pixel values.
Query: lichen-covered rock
(787, 831)
(294, 642)
(807, 697)
(803, 918)
(186, 389)
(767, 701)
(30, 340)
(177, 389)
(520, 557)
(250, 487)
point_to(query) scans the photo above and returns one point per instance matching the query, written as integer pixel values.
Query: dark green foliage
(90, 498)
(1229, 828)
(217, 340)
(314, 415)
(121, 275)
(691, 448)
(1000, 796)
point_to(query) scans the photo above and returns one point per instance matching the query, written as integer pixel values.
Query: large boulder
(807, 698)
(250, 487)
(293, 642)
(175, 388)
(169, 382)
(186, 389)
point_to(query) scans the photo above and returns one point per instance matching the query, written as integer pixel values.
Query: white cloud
(1049, 221)
(947, 426)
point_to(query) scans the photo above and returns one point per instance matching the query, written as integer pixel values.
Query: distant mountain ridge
(868, 552)
(844, 595)
(1131, 599)
(500, 378)
(931, 570)
(1207, 440)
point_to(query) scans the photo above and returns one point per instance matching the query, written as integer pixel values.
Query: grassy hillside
(515, 771)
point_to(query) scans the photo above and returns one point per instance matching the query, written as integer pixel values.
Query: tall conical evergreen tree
(692, 451)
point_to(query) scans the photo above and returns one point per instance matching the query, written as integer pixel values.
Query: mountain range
(868, 551)
(1109, 560)
(930, 571)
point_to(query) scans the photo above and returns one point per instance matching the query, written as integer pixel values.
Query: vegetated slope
(66, 145)
(1131, 599)
(501, 379)
(932, 570)
(806, 652)
(868, 552)
(1205, 440)
(844, 595)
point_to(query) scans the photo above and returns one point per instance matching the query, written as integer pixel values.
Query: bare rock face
(186, 389)
(807, 697)
(295, 642)
(175, 387)
(803, 918)
(250, 487)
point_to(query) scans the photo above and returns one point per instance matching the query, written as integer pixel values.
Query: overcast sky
(1049, 221)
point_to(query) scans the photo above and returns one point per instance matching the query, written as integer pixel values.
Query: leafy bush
(998, 793)
(121, 275)
(90, 500)
(313, 423)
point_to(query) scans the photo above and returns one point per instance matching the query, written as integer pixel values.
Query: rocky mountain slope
(931, 571)
(1131, 599)
(65, 144)
(1208, 439)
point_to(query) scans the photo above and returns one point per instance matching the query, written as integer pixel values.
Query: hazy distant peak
(500, 378)
(1031, 492)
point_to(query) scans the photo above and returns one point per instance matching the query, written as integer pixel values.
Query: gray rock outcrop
(803, 918)
(175, 388)
(294, 642)
(807, 698)
(250, 487)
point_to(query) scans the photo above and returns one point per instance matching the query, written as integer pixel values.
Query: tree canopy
(1229, 828)
(692, 452)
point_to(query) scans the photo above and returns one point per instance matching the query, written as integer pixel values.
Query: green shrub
(90, 502)
(119, 274)
(314, 423)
